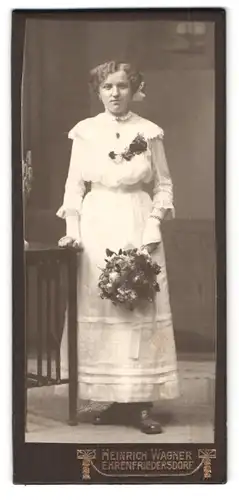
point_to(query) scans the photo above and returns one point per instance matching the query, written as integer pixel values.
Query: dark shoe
(107, 416)
(148, 425)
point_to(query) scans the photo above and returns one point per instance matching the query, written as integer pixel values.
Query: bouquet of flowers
(136, 147)
(128, 277)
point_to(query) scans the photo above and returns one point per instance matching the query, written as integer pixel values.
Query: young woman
(126, 358)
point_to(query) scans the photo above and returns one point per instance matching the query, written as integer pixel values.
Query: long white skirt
(124, 356)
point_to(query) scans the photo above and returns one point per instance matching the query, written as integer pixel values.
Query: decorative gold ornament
(206, 456)
(86, 456)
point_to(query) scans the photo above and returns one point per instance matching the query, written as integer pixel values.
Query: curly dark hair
(102, 71)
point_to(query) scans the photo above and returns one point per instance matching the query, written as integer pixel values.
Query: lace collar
(90, 126)
(119, 119)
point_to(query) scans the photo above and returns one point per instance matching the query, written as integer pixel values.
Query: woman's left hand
(151, 247)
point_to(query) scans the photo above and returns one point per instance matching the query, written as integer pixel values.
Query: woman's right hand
(69, 241)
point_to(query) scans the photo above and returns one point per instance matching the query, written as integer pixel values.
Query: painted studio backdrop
(177, 60)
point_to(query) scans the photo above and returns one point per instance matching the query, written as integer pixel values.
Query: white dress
(124, 356)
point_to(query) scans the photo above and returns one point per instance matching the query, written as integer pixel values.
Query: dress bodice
(94, 139)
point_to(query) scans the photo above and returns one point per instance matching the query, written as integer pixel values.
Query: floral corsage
(136, 147)
(129, 276)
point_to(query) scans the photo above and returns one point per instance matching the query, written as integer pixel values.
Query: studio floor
(190, 419)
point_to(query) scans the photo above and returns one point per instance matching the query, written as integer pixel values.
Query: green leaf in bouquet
(109, 252)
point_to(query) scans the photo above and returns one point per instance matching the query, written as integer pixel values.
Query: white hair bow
(139, 95)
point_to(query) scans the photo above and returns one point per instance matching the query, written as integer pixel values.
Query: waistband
(96, 186)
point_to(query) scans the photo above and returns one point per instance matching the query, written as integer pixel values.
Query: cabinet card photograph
(119, 308)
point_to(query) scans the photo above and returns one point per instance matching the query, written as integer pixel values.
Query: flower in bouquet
(114, 276)
(129, 277)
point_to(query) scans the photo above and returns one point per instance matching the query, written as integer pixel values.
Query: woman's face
(115, 93)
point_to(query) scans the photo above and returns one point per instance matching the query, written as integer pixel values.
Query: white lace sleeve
(75, 186)
(162, 206)
(163, 187)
